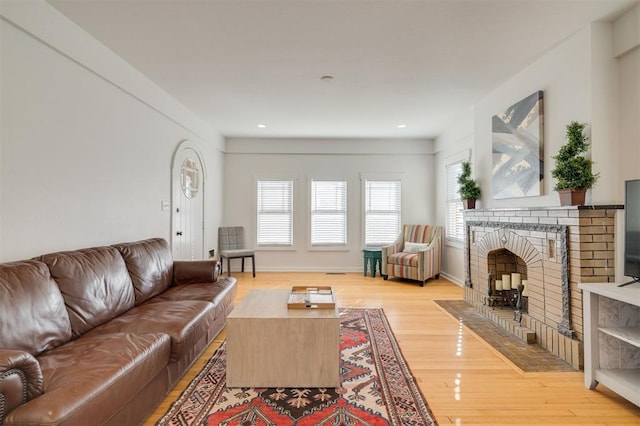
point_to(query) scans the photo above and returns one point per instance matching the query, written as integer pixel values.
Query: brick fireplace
(553, 249)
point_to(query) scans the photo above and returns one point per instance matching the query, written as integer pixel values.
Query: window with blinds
(328, 212)
(382, 200)
(454, 203)
(275, 213)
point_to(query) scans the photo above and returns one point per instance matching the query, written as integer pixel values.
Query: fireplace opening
(507, 281)
(503, 262)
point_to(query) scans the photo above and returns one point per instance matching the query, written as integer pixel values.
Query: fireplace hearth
(552, 250)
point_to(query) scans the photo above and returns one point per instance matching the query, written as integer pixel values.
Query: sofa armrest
(429, 258)
(195, 271)
(21, 380)
(389, 250)
(396, 247)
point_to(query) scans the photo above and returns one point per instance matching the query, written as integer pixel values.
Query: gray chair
(231, 242)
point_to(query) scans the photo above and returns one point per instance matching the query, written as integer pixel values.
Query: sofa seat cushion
(184, 321)
(89, 379)
(404, 259)
(221, 293)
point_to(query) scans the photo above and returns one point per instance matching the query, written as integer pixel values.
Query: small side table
(372, 257)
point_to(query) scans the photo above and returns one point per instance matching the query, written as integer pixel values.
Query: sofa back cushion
(150, 265)
(33, 311)
(420, 233)
(94, 283)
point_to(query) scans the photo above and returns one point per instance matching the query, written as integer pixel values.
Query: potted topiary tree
(573, 170)
(469, 190)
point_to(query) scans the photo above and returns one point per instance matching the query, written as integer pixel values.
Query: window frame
(454, 201)
(396, 178)
(292, 208)
(313, 211)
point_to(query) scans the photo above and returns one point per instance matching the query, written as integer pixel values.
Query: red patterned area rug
(377, 388)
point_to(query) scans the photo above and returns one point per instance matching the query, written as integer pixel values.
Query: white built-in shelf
(630, 335)
(624, 379)
(624, 382)
(629, 294)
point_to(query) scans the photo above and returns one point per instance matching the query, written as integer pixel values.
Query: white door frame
(176, 190)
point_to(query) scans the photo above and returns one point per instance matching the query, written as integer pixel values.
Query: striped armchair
(416, 254)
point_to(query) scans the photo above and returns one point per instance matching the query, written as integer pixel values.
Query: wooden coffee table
(269, 345)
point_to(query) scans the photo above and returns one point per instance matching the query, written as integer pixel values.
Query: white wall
(627, 49)
(86, 141)
(628, 157)
(591, 77)
(456, 144)
(564, 76)
(247, 160)
(604, 114)
(580, 80)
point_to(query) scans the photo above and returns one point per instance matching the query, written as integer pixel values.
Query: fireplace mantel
(596, 207)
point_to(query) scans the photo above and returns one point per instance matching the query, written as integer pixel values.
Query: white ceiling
(239, 63)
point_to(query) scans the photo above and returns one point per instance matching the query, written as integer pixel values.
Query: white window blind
(455, 225)
(382, 201)
(275, 213)
(328, 212)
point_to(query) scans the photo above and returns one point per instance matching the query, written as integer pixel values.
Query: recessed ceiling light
(326, 78)
(401, 126)
(262, 126)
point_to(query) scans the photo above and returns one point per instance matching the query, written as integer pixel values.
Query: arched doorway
(187, 199)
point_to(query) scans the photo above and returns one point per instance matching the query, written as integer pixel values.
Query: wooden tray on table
(318, 297)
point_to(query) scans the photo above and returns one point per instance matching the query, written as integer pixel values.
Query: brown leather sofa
(100, 335)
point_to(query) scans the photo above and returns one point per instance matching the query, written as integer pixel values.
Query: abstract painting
(517, 149)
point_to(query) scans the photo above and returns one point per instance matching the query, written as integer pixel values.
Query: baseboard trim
(453, 279)
(299, 269)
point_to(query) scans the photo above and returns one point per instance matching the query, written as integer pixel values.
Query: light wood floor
(463, 379)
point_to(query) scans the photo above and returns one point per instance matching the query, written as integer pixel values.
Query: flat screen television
(632, 230)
